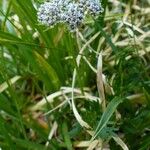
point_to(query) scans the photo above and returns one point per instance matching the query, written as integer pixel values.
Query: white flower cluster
(73, 16)
(94, 7)
(48, 13)
(67, 11)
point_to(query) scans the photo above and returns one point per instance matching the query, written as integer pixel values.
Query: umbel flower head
(48, 13)
(73, 16)
(67, 11)
(94, 7)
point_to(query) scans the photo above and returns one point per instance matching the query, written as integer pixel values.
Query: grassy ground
(86, 90)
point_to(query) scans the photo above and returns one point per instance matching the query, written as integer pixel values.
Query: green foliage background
(43, 59)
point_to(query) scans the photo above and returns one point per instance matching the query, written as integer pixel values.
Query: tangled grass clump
(83, 90)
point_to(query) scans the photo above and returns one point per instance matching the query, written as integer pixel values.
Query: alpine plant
(69, 12)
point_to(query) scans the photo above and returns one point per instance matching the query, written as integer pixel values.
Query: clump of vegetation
(86, 89)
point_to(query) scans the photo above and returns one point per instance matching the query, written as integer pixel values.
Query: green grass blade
(28, 145)
(45, 67)
(66, 136)
(107, 115)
